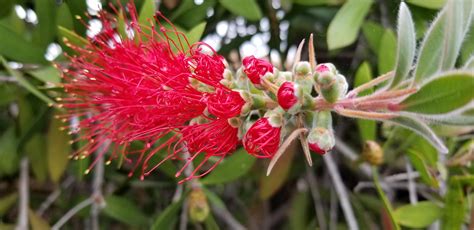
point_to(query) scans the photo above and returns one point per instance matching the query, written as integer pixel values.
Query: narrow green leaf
(318, 2)
(373, 32)
(231, 168)
(453, 212)
(168, 217)
(124, 210)
(78, 8)
(46, 28)
(341, 33)
(419, 215)
(48, 74)
(387, 52)
(420, 165)
(383, 197)
(36, 150)
(64, 18)
(72, 37)
(406, 45)
(430, 4)
(147, 12)
(195, 34)
(8, 152)
(445, 93)
(421, 129)
(58, 149)
(248, 9)
(367, 128)
(6, 202)
(15, 47)
(189, 14)
(36, 222)
(449, 119)
(25, 83)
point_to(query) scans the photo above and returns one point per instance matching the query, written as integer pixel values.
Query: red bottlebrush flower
(262, 139)
(123, 89)
(225, 103)
(286, 95)
(256, 68)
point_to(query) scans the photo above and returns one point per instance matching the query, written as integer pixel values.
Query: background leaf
(340, 32)
(58, 148)
(419, 215)
(387, 52)
(421, 166)
(367, 128)
(248, 9)
(168, 217)
(14, 46)
(124, 210)
(431, 4)
(231, 168)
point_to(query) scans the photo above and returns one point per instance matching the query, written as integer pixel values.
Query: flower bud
(302, 68)
(332, 86)
(321, 140)
(326, 67)
(225, 103)
(263, 138)
(372, 153)
(198, 208)
(287, 96)
(256, 68)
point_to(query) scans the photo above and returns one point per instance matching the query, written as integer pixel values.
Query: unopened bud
(198, 207)
(372, 153)
(302, 68)
(287, 97)
(326, 67)
(321, 140)
(333, 87)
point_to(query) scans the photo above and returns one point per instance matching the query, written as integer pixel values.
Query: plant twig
(54, 196)
(24, 195)
(226, 216)
(8, 79)
(371, 84)
(97, 182)
(411, 184)
(183, 217)
(72, 212)
(318, 206)
(341, 192)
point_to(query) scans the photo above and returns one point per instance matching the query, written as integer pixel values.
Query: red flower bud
(322, 68)
(321, 140)
(286, 95)
(262, 139)
(225, 103)
(256, 68)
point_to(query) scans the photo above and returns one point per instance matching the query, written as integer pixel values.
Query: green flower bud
(302, 68)
(321, 140)
(333, 87)
(198, 208)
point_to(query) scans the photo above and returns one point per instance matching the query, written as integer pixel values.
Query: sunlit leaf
(373, 32)
(420, 165)
(124, 210)
(248, 9)
(46, 74)
(58, 149)
(387, 52)
(72, 37)
(340, 32)
(419, 215)
(147, 12)
(431, 4)
(445, 93)
(453, 211)
(231, 168)
(406, 45)
(45, 31)
(367, 128)
(6, 202)
(36, 222)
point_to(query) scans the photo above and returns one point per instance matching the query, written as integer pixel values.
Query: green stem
(386, 202)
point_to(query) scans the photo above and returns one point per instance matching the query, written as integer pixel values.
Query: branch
(24, 195)
(318, 206)
(97, 182)
(72, 212)
(341, 192)
(54, 196)
(411, 184)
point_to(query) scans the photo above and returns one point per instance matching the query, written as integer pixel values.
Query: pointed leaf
(122, 209)
(420, 165)
(367, 128)
(430, 4)
(72, 37)
(453, 212)
(341, 33)
(168, 217)
(419, 215)
(147, 12)
(195, 34)
(45, 31)
(8, 152)
(46, 74)
(15, 47)
(58, 149)
(387, 52)
(449, 91)
(231, 168)
(248, 9)
(36, 222)
(406, 45)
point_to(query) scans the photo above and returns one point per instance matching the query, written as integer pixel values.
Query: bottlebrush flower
(125, 89)
(287, 96)
(225, 103)
(256, 68)
(262, 139)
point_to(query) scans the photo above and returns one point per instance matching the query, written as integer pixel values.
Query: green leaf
(25, 83)
(387, 52)
(406, 45)
(35, 148)
(64, 17)
(421, 129)
(8, 152)
(373, 32)
(195, 34)
(367, 128)
(231, 168)
(449, 91)
(72, 37)
(385, 200)
(469, 63)
(189, 14)
(440, 47)
(45, 31)
(210, 223)
(420, 165)
(168, 217)
(15, 47)
(430, 4)
(7, 7)
(36, 222)
(318, 2)
(419, 215)
(8, 93)
(6, 202)
(453, 212)
(248, 9)
(147, 12)
(124, 210)
(270, 184)
(48, 74)
(58, 149)
(298, 214)
(344, 28)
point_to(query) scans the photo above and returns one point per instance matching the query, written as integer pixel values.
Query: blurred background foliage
(358, 36)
